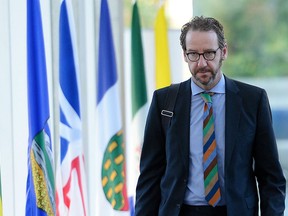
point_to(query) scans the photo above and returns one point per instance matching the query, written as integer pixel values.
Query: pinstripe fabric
(211, 180)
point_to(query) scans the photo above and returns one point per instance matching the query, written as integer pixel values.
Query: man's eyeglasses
(208, 55)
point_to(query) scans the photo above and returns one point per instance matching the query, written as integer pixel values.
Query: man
(178, 176)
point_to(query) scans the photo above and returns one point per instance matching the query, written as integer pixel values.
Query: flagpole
(54, 90)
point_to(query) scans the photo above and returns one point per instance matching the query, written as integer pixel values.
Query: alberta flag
(71, 192)
(111, 194)
(40, 190)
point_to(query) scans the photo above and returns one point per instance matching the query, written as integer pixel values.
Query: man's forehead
(201, 40)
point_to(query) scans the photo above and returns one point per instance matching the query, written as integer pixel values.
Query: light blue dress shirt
(195, 193)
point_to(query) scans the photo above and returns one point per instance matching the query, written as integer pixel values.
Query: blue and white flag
(40, 189)
(71, 190)
(111, 194)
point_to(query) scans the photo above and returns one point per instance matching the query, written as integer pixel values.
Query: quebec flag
(111, 191)
(71, 190)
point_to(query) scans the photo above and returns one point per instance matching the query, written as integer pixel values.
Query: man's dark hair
(203, 24)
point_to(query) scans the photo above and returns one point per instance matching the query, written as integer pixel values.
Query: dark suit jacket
(251, 156)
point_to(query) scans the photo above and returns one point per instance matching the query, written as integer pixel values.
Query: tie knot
(206, 96)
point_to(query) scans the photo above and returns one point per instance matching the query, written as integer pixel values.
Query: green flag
(139, 104)
(139, 93)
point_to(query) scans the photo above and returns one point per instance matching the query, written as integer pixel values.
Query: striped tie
(211, 180)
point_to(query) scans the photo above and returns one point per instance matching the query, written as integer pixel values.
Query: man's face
(206, 74)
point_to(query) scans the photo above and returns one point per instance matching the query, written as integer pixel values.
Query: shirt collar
(219, 88)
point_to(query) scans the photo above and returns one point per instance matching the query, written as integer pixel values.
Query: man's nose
(202, 61)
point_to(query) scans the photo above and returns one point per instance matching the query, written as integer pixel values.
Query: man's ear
(224, 52)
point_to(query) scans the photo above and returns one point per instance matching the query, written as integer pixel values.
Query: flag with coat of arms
(111, 194)
(40, 187)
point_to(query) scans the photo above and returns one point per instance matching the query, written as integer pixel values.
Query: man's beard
(214, 73)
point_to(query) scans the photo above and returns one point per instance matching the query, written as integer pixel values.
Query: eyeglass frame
(203, 54)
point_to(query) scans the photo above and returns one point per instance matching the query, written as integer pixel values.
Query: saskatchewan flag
(139, 105)
(40, 180)
(163, 77)
(111, 194)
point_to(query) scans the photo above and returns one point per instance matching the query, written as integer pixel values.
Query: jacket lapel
(182, 120)
(232, 117)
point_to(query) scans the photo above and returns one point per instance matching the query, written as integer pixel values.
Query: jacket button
(178, 205)
(185, 180)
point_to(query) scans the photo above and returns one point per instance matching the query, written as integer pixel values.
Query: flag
(163, 77)
(71, 190)
(111, 194)
(40, 192)
(1, 210)
(139, 105)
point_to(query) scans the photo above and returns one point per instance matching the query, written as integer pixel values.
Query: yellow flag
(163, 77)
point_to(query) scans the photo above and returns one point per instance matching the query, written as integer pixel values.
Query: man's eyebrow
(191, 50)
(205, 50)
